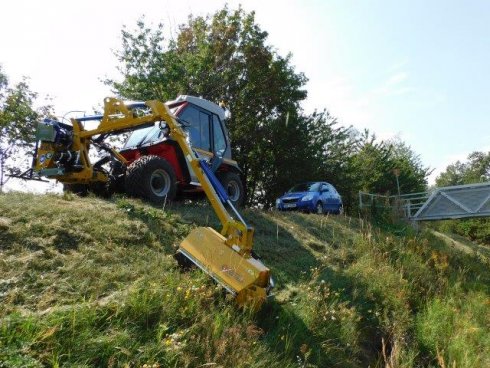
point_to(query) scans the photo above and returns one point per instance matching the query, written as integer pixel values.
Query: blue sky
(418, 70)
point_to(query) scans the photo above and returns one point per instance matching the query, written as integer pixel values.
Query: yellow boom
(227, 255)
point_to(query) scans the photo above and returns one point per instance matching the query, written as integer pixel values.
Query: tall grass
(87, 282)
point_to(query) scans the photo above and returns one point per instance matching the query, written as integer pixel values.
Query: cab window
(204, 131)
(137, 137)
(190, 116)
(218, 136)
(198, 127)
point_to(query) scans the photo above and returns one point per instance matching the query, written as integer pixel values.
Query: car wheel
(340, 210)
(151, 178)
(319, 208)
(233, 186)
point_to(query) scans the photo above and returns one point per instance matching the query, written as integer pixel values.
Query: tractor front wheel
(151, 178)
(234, 187)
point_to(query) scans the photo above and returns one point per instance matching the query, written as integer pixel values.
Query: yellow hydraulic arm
(237, 232)
(226, 256)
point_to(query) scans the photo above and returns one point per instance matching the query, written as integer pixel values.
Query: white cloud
(345, 98)
(400, 65)
(338, 93)
(393, 86)
(397, 78)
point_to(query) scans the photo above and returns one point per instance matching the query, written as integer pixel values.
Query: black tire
(319, 209)
(340, 210)
(234, 187)
(151, 178)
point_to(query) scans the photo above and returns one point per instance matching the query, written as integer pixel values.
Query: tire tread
(137, 178)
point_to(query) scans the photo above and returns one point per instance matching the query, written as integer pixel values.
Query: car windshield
(305, 187)
(136, 137)
(145, 136)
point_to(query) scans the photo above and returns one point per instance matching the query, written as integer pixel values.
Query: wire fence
(405, 204)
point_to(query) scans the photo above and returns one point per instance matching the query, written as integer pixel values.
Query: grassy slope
(87, 282)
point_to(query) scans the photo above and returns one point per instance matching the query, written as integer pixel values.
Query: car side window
(325, 188)
(218, 136)
(315, 187)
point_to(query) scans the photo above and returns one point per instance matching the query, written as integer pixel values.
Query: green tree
(334, 147)
(224, 56)
(373, 165)
(18, 120)
(474, 170)
(293, 157)
(412, 173)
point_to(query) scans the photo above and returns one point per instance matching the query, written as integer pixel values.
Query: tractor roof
(201, 102)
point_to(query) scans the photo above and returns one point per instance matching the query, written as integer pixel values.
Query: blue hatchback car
(319, 197)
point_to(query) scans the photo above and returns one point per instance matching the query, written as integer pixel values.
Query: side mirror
(216, 161)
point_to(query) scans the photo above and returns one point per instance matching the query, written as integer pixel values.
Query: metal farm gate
(460, 201)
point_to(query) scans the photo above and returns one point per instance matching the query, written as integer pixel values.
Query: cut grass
(86, 282)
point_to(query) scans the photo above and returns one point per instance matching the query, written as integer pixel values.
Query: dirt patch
(4, 223)
(464, 245)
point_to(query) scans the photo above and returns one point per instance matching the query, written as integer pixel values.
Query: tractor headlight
(307, 197)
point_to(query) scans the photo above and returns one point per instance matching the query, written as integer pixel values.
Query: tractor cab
(203, 121)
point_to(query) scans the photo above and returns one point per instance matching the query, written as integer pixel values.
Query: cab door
(198, 126)
(219, 143)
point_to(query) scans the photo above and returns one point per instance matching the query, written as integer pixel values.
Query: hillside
(86, 282)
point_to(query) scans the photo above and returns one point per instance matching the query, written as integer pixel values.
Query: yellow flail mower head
(227, 257)
(246, 278)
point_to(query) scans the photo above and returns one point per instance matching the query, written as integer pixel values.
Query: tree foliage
(225, 56)
(474, 170)
(18, 119)
(17, 116)
(412, 173)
